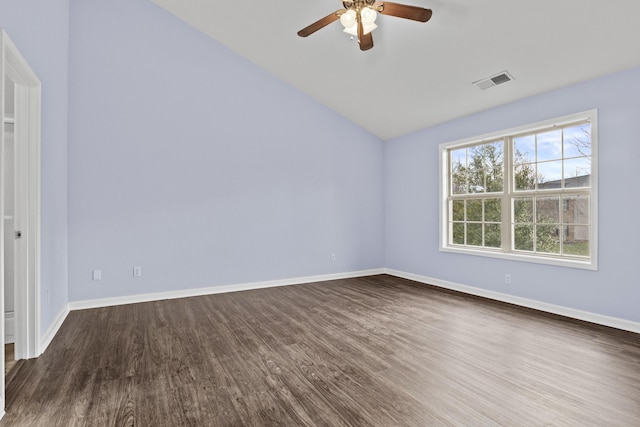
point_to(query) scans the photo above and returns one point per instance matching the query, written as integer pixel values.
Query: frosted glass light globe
(368, 15)
(353, 30)
(348, 19)
(368, 27)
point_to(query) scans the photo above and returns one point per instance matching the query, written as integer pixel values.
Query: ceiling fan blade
(365, 40)
(307, 31)
(414, 13)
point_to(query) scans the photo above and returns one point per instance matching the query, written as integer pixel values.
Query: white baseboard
(157, 296)
(46, 339)
(9, 327)
(614, 322)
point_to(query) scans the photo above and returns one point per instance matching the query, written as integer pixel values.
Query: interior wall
(40, 30)
(191, 162)
(412, 208)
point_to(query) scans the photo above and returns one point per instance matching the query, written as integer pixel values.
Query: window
(527, 193)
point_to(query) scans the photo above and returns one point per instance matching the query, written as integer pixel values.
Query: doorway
(19, 204)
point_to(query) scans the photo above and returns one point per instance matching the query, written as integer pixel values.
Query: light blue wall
(411, 204)
(191, 162)
(40, 30)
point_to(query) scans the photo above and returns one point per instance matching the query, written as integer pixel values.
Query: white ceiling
(420, 74)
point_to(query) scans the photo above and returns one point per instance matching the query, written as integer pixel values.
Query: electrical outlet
(333, 257)
(507, 279)
(96, 275)
(137, 271)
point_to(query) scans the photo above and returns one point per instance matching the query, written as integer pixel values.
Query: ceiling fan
(358, 18)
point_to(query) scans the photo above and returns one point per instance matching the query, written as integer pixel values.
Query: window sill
(536, 259)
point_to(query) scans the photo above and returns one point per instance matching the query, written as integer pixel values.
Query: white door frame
(27, 202)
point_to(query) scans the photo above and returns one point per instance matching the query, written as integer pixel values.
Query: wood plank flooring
(375, 351)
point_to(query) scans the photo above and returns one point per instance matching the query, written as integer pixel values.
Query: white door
(24, 125)
(8, 217)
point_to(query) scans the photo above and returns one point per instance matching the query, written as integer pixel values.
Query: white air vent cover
(494, 80)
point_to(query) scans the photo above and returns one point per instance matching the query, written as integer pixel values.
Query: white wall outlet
(96, 275)
(507, 279)
(333, 257)
(137, 271)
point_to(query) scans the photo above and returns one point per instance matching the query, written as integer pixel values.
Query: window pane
(474, 234)
(493, 210)
(474, 210)
(577, 141)
(524, 149)
(476, 168)
(523, 237)
(493, 154)
(525, 176)
(548, 239)
(576, 240)
(577, 172)
(549, 175)
(458, 171)
(476, 180)
(457, 210)
(492, 235)
(549, 145)
(494, 179)
(548, 210)
(459, 158)
(458, 183)
(458, 233)
(575, 210)
(476, 155)
(523, 210)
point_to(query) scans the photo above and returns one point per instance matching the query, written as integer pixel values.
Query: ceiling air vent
(494, 80)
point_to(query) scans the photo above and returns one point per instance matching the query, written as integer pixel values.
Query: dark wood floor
(376, 351)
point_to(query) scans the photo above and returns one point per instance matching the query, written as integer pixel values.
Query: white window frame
(506, 252)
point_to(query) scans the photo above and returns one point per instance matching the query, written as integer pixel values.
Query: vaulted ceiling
(420, 74)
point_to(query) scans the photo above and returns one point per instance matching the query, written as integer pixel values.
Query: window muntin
(525, 193)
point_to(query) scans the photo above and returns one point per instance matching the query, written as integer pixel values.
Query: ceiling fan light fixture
(352, 30)
(366, 29)
(368, 15)
(348, 19)
(358, 18)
